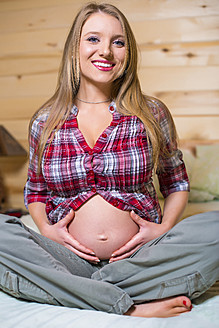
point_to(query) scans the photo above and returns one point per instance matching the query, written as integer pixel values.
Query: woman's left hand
(147, 231)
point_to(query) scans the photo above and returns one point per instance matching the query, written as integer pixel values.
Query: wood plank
(32, 38)
(15, 200)
(12, 183)
(177, 30)
(183, 54)
(190, 127)
(186, 103)
(180, 103)
(33, 43)
(29, 85)
(29, 65)
(8, 5)
(18, 128)
(25, 144)
(153, 10)
(179, 78)
(19, 108)
(9, 146)
(10, 167)
(138, 9)
(155, 32)
(63, 15)
(180, 54)
(191, 144)
(38, 19)
(14, 172)
(152, 80)
(197, 128)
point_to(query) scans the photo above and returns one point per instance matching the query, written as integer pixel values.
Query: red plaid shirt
(118, 168)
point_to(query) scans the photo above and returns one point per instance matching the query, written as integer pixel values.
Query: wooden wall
(179, 43)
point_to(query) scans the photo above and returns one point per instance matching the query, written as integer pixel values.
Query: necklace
(93, 102)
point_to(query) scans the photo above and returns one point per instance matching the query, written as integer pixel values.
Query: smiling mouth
(103, 66)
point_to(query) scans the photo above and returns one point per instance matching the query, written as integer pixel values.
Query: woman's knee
(201, 227)
(9, 222)
(10, 229)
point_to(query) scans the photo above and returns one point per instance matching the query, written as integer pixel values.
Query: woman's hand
(147, 231)
(58, 232)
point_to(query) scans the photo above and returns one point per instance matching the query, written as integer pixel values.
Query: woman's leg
(184, 261)
(34, 267)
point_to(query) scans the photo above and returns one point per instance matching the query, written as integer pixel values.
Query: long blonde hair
(126, 91)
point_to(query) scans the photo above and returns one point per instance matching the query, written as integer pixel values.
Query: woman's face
(102, 49)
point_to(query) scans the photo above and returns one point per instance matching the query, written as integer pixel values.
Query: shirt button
(93, 189)
(91, 152)
(111, 109)
(104, 135)
(115, 203)
(91, 174)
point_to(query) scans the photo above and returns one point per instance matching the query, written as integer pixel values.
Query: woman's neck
(90, 93)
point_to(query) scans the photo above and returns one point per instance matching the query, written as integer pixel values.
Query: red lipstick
(103, 65)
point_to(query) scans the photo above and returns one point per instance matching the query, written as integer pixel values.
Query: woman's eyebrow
(99, 33)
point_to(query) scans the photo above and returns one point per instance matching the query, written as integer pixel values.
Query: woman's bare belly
(102, 227)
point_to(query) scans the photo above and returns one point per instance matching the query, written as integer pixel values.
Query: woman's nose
(105, 50)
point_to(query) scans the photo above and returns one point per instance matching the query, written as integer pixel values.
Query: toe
(183, 301)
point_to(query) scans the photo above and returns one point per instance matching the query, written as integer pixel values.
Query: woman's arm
(174, 186)
(174, 206)
(58, 232)
(36, 195)
(37, 211)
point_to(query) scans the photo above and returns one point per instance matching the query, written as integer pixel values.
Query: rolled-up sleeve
(173, 177)
(35, 189)
(172, 173)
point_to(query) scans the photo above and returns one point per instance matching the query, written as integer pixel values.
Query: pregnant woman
(104, 242)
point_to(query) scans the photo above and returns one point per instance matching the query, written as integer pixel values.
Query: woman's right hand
(58, 232)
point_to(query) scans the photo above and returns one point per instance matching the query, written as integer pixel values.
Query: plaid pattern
(119, 167)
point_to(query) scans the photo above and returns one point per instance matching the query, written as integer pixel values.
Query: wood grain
(179, 64)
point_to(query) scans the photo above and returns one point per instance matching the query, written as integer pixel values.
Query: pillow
(205, 174)
(199, 196)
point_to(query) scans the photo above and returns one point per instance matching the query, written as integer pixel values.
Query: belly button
(102, 237)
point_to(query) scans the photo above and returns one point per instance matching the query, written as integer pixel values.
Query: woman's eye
(93, 39)
(119, 43)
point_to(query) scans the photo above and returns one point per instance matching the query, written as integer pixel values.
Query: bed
(202, 161)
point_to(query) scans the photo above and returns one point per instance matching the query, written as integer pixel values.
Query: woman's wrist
(43, 228)
(167, 225)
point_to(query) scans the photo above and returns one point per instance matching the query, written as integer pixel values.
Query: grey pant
(183, 261)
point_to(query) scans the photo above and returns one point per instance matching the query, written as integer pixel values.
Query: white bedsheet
(15, 313)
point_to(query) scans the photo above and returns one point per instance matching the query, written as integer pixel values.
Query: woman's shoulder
(155, 104)
(157, 108)
(40, 117)
(38, 121)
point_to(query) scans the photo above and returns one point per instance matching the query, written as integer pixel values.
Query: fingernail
(92, 253)
(112, 255)
(184, 302)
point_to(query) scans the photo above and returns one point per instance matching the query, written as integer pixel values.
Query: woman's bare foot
(168, 307)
